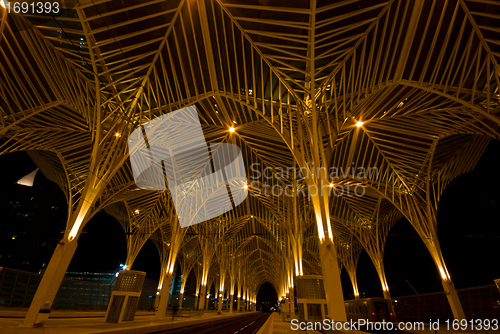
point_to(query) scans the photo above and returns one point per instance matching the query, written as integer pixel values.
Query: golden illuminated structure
(381, 102)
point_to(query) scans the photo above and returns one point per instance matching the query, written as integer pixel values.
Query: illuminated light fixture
(234, 122)
(359, 124)
(251, 216)
(401, 103)
(250, 92)
(245, 187)
(157, 292)
(231, 129)
(328, 87)
(216, 112)
(118, 135)
(3, 4)
(331, 185)
(136, 211)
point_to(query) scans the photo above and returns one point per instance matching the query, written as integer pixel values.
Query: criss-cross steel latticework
(379, 104)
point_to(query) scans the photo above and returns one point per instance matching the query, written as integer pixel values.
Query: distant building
(33, 222)
(103, 278)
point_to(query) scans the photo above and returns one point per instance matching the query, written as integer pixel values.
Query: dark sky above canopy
(468, 227)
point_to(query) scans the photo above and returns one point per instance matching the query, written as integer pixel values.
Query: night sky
(468, 227)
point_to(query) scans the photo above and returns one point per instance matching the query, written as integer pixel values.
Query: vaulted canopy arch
(392, 98)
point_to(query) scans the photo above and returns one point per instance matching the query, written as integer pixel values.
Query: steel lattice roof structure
(408, 90)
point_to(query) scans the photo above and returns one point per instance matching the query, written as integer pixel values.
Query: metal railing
(481, 302)
(17, 289)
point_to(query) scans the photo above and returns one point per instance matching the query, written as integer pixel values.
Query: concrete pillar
(157, 299)
(331, 280)
(289, 302)
(51, 281)
(292, 302)
(434, 249)
(243, 300)
(451, 294)
(181, 298)
(238, 305)
(217, 299)
(247, 301)
(164, 295)
(220, 299)
(230, 303)
(202, 297)
(285, 305)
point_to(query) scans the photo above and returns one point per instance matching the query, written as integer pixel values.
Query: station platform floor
(276, 325)
(81, 322)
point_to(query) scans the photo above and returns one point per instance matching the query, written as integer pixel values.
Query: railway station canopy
(346, 116)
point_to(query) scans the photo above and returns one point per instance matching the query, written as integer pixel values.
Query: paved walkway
(63, 322)
(276, 325)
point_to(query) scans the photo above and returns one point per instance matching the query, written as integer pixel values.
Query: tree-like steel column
(199, 273)
(52, 278)
(238, 305)
(82, 207)
(217, 292)
(176, 239)
(208, 237)
(223, 259)
(318, 185)
(313, 159)
(188, 260)
(232, 273)
(349, 252)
